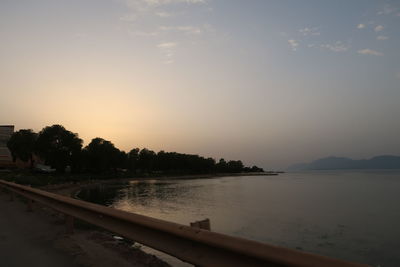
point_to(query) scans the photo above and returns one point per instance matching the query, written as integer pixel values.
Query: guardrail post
(69, 224)
(204, 224)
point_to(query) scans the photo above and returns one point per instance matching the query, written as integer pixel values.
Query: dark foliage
(101, 155)
(22, 144)
(61, 148)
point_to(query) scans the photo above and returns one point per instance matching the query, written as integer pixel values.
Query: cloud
(168, 50)
(398, 75)
(167, 2)
(379, 28)
(293, 44)
(157, 19)
(360, 26)
(184, 29)
(309, 31)
(167, 45)
(382, 37)
(163, 14)
(153, 7)
(336, 47)
(387, 9)
(188, 29)
(369, 52)
(156, 3)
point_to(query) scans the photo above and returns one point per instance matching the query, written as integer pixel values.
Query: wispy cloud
(369, 52)
(293, 44)
(382, 37)
(168, 50)
(310, 31)
(387, 9)
(165, 30)
(168, 45)
(156, 3)
(336, 47)
(379, 28)
(166, 2)
(184, 29)
(153, 19)
(163, 14)
(153, 7)
(360, 26)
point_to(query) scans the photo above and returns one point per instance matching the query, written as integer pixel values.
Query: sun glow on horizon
(267, 82)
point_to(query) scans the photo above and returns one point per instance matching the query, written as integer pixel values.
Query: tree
(133, 157)
(22, 144)
(147, 159)
(221, 166)
(234, 166)
(58, 147)
(101, 156)
(256, 169)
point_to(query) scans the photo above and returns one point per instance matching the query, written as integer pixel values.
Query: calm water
(353, 215)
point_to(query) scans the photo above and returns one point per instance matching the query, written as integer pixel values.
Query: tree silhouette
(221, 166)
(102, 156)
(234, 166)
(58, 147)
(146, 160)
(132, 161)
(22, 144)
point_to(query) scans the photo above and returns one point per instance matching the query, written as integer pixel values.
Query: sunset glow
(268, 82)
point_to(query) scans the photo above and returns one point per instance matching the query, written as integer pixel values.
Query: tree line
(63, 150)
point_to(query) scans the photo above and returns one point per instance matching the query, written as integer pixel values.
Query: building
(6, 159)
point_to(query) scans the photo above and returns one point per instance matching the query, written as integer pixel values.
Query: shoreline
(71, 188)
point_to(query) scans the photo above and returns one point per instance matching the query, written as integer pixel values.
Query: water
(352, 215)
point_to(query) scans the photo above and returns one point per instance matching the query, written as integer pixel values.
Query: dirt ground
(39, 239)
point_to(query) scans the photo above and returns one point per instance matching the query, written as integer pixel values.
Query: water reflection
(103, 194)
(167, 200)
(348, 215)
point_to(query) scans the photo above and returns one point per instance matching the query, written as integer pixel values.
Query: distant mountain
(338, 163)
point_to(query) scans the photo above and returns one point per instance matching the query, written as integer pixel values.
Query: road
(38, 239)
(27, 240)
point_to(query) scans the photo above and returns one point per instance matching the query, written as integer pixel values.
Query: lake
(352, 215)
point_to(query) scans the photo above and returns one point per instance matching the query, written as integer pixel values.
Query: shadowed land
(38, 239)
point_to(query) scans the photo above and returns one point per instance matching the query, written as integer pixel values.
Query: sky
(270, 82)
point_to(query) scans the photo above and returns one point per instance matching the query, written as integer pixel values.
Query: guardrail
(196, 246)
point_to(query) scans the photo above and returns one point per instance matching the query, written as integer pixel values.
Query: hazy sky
(269, 82)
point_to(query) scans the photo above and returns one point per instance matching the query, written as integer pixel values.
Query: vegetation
(58, 147)
(62, 150)
(22, 144)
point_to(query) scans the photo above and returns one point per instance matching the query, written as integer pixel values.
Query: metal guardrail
(196, 246)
